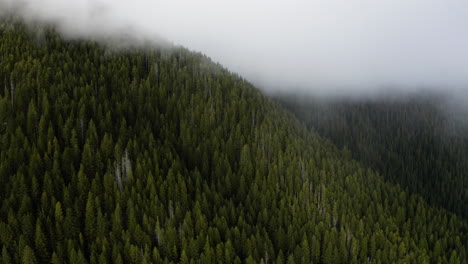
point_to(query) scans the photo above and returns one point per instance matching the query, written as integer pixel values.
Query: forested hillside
(419, 142)
(145, 156)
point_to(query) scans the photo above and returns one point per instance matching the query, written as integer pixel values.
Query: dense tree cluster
(149, 156)
(419, 142)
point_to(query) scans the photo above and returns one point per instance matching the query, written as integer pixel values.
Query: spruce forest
(155, 155)
(418, 142)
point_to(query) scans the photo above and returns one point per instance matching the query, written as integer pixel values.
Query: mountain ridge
(138, 157)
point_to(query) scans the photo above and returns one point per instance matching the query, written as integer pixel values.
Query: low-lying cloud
(322, 46)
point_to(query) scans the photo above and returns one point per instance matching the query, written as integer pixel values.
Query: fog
(319, 46)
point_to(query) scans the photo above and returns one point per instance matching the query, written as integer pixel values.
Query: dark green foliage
(419, 142)
(150, 156)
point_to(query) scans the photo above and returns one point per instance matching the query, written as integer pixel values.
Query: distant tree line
(418, 142)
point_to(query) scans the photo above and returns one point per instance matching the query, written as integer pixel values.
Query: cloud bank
(321, 46)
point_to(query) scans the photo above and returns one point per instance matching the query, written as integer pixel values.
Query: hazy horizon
(318, 47)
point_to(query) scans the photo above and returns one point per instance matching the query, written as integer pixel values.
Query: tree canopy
(161, 156)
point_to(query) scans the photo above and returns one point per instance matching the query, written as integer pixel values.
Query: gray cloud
(323, 46)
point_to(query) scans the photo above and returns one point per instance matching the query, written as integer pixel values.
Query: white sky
(323, 46)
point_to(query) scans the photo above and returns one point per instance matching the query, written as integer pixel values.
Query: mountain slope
(420, 142)
(144, 156)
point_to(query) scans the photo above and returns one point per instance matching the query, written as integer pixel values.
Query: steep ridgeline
(420, 142)
(144, 156)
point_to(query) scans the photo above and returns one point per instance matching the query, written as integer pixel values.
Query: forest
(419, 142)
(154, 155)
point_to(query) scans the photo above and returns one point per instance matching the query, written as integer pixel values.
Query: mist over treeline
(417, 141)
(353, 48)
(146, 157)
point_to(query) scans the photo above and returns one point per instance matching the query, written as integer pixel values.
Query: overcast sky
(330, 46)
